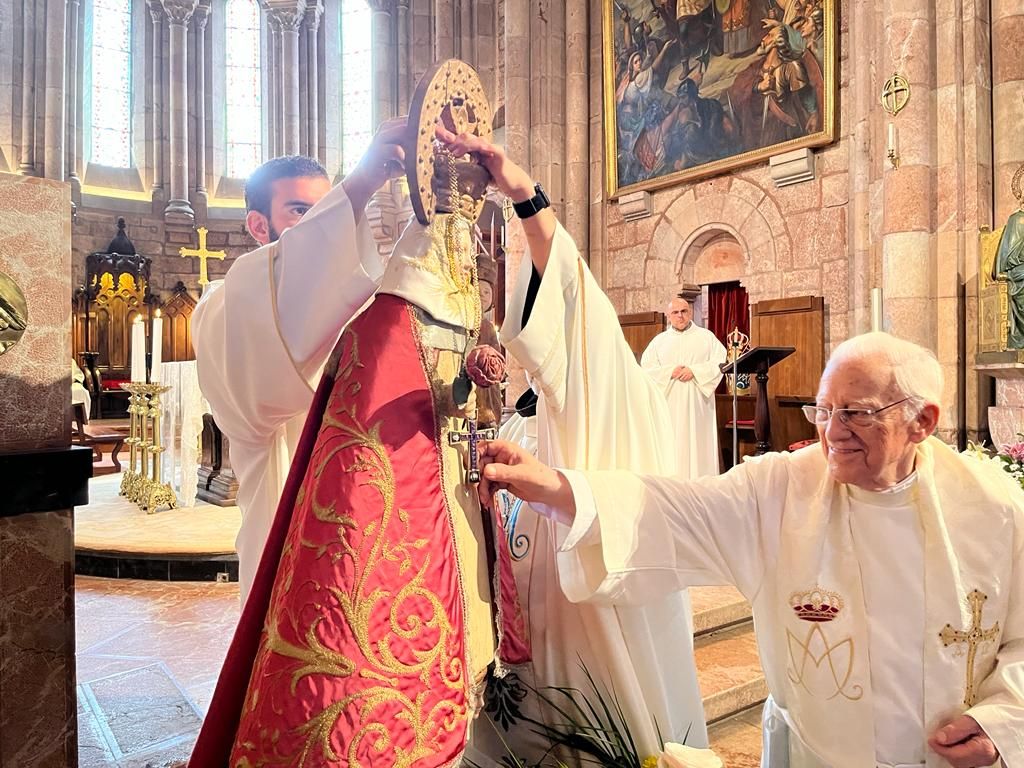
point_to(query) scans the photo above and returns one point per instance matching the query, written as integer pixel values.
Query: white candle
(138, 351)
(876, 309)
(158, 344)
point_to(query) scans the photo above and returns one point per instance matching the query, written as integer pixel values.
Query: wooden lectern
(757, 361)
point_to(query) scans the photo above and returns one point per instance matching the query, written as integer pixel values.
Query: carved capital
(179, 11)
(381, 6)
(285, 14)
(156, 10)
(202, 14)
(314, 10)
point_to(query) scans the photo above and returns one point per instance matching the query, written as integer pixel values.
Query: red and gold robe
(371, 624)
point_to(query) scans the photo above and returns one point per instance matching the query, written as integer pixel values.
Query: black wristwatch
(538, 202)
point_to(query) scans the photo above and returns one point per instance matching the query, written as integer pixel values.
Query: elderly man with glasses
(885, 570)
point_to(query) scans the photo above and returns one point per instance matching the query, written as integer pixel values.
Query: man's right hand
(507, 466)
(383, 160)
(682, 373)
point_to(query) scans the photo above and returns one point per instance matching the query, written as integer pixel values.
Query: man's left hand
(508, 177)
(963, 744)
(682, 373)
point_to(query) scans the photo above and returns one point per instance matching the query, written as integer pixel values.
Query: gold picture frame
(728, 84)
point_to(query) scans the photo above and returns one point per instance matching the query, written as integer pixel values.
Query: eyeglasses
(859, 417)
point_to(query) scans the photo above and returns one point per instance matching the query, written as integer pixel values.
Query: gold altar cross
(974, 637)
(202, 254)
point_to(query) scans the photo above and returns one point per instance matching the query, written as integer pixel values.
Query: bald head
(680, 313)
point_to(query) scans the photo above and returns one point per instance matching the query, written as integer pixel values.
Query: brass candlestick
(142, 483)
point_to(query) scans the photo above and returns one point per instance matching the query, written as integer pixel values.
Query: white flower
(680, 756)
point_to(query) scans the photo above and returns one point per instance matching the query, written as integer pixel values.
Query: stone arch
(714, 255)
(738, 208)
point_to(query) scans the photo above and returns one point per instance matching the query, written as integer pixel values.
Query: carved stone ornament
(450, 93)
(13, 313)
(179, 11)
(286, 14)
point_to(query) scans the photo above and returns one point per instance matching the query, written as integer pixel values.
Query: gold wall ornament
(972, 637)
(202, 253)
(449, 93)
(895, 94)
(13, 313)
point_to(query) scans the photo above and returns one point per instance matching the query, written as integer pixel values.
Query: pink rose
(485, 366)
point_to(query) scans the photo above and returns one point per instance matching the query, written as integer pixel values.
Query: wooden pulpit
(757, 361)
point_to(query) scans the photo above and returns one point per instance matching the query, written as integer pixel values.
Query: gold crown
(816, 604)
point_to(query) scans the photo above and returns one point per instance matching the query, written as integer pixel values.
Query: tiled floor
(148, 657)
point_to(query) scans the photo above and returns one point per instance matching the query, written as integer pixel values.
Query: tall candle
(876, 309)
(158, 343)
(138, 351)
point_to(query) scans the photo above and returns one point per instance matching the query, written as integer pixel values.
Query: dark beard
(273, 233)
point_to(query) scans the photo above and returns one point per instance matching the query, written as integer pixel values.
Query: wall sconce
(895, 95)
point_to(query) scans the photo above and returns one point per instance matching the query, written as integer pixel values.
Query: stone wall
(794, 239)
(94, 227)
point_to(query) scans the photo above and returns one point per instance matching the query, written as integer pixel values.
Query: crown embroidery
(816, 605)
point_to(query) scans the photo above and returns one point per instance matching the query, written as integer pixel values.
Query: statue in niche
(1009, 266)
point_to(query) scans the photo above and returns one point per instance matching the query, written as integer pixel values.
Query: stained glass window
(110, 73)
(356, 94)
(243, 119)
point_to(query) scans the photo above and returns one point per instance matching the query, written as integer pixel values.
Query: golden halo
(449, 92)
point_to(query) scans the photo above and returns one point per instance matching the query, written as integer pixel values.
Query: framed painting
(693, 88)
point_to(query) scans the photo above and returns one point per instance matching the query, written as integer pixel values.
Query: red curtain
(728, 308)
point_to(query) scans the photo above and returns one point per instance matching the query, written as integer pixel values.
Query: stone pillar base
(179, 212)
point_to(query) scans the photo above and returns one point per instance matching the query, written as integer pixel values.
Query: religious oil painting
(693, 88)
(13, 313)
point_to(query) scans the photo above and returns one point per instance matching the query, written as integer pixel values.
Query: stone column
(179, 12)
(273, 77)
(1007, 101)
(288, 17)
(71, 100)
(313, 14)
(156, 12)
(53, 97)
(199, 88)
(383, 60)
(517, 114)
(444, 29)
(28, 90)
(404, 75)
(908, 240)
(577, 121)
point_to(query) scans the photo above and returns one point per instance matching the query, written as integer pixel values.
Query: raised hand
(383, 160)
(508, 177)
(963, 744)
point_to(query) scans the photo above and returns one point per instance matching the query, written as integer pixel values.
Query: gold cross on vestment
(202, 254)
(973, 637)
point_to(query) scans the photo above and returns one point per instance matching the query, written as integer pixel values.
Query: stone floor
(148, 657)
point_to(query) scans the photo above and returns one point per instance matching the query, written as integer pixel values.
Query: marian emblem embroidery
(821, 667)
(518, 543)
(972, 637)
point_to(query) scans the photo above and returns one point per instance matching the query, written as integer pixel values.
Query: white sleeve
(708, 374)
(651, 362)
(262, 334)
(1000, 711)
(637, 538)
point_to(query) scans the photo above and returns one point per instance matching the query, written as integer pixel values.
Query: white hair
(915, 371)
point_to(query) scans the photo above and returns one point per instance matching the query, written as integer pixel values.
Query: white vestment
(783, 532)
(262, 336)
(596, 409)
(691, 403)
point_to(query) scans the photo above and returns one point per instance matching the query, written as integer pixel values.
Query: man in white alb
(684, 360)
(885, 570)
(263, 334)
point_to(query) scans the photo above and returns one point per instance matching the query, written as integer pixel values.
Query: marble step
(737, 739)
(729, 671)
(717, 608)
